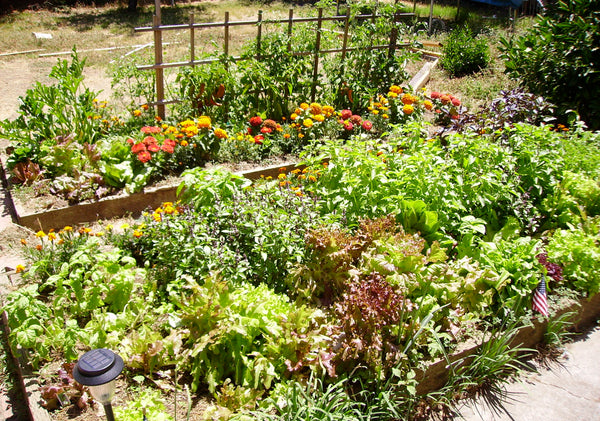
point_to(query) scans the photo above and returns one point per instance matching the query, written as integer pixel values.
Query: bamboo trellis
(157, 28)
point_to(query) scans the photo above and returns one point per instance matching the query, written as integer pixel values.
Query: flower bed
(358, 272)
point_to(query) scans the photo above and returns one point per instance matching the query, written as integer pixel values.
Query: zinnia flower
(346, 114)
(455, 102)
(150, 129)
(144, 156)
(138, 147)
(348, 126)
(435, 95)
(256, 121)
(258, 139)
(153, 147)
(367, 125)
(266, 130)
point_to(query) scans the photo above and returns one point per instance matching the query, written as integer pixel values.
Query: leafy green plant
(554, 59)
(464, 53)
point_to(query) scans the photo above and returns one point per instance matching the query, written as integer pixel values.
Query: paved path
(568, 390)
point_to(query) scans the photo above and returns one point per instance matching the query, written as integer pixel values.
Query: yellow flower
(125, 226)
(396, 89)
(308, 123)
(319, 117)
(204, 122)
(51, 236)
(281, 176)
(137, 113)
(184, 143)
(137, 233)
(408, 109)
(20, 268)
(40, 234)
(315, 108)
(328, 110)
(304, 106)
(221, 134)
(293, 116)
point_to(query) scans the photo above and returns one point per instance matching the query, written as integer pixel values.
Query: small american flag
(540, 302)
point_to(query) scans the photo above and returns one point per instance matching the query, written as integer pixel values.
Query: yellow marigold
(157, 217)
(304, 106)
(187, 123)
(221, 134)
(392, 94)
(328, 110)
(286, 136)
(408, 99)
(408, 109)
(281, 176)
(315, 108)
(23, 241)
(312, 178)
(319, 117)
(385, 116)
(375, 112)
(137, 113)
(293, 116)
(137, 233)
(300, 135)
(51, 236)
(204, 122)
(184, 142)
(99, 233)
(396, 89)
(307, 123)
(40, 234)
(20, 268)
(39, 247)
(145, 106)
(428, 105)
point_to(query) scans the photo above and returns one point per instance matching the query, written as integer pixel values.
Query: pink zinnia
(346, 114)
(144, 156)
(256, 121)
(367, 125)
(138, 147)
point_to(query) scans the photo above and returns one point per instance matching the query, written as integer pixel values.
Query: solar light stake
(98, 369)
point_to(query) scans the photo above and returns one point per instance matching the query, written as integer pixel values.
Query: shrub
(558, 58)
(464, 53)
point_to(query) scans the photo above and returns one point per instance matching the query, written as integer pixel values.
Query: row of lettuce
(375, 259)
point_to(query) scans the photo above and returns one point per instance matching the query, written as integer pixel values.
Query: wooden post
(345, 39)
(259, 35)
(192, 41)
(290, 29)
(313, 93)
(430, 17)
(393, 36)
(158, 59)
(226, 34)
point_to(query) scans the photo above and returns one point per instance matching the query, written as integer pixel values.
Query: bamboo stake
(21, 52)
(313, 93)
(158, 59)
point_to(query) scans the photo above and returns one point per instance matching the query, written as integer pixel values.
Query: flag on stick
(540, 302)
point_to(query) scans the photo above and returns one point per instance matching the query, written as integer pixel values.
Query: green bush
(464, 53)
(558, 58)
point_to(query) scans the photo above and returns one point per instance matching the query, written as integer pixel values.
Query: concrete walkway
(567, 390)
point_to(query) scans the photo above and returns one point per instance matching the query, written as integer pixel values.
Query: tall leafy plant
(559, 59)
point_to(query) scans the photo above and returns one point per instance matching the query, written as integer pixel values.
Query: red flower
(258, 139)
(168, 148)
(144, 156)
(150, 129)
(138, 147)
(348, 126)
(149, 140)
(153, 147)
(256, 121)
(455, 102)
(266, 130)
(435, 95)
(367, 125)
(346, 114)
(445, 99)
(356, 119)
(130, 141)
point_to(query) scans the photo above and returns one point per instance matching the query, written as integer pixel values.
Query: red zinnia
(435, 95)
(258, 139)
(138, 147)
(130, 141)
(256, 121)
(348, 126)
(346, 114)
(144, 156)
(149, 140)
(150, 129)
(455, 102)
(266, 130)
(367, 125)
(168, 148)
(153, 147)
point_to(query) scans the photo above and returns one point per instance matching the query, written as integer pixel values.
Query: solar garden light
(98, 370)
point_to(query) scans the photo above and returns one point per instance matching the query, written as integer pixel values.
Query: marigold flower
(308, 123)
(328, 110)
(319, 117)
(281, 176)
(144, 156)
(39, 247)
(315, 108)
(145, 107)
(396, 89)
(304, 106)
(428, 105)
(375, 112)
(40, 234)
(445, 99)
(393, 95)
(137, 113)
(271, 124)
(158, 118)
(204, 122)
(23, 241)
(137, 233)
(312, 178)
(408, 109)
(408, 99)
(221, 134)
(20, 268)
(184, 143)
(286, 135)
(293, 116)
(51, 236)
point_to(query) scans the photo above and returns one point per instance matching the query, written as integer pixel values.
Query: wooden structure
(157, 28)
